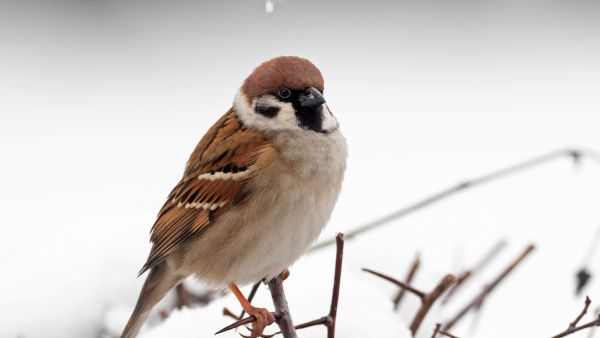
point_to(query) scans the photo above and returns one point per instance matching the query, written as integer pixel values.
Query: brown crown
(285, 71)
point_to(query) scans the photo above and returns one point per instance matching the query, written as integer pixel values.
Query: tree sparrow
(256, 192)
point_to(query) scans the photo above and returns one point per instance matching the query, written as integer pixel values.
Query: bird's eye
(284, 93)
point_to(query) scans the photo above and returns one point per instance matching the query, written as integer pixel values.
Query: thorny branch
(588, 301)
(480, 298)
(402, 285)
(573, 325)
(282, 313)
(330, 320)
(574, 154)
(427, 299)
(285, 324)
(408, 280)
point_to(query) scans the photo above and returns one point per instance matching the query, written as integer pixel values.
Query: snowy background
(102, 101)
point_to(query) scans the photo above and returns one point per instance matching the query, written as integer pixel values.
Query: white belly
(285, 215)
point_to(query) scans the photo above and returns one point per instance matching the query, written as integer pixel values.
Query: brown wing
(223, 160)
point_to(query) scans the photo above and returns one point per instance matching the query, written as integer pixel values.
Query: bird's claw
(263, 317)
(264, 335)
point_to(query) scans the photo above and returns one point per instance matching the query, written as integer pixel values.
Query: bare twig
(588, 301)
(228, 313)
(282, 313)
(592, 331)
(329, 320)
(574, 154)
(335, 295)
(573, 325)
(278, 297)
(402, 285)
(285, 322)
(593, 323)
(408, 280)
(427, 299)
(478, 301)
(467, 274)
(438, 330)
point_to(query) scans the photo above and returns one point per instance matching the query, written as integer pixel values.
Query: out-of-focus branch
(408, 280)
(573, 325)
(427, 299)
(467, 274)
(481, 297)
(574, 154)
(186, 298)
(584, 274)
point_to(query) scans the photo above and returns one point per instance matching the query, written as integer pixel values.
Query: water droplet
(269, 6)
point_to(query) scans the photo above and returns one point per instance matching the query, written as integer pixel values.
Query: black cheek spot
(267, 111)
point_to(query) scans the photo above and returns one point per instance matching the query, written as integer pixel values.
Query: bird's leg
(284, 275)
(263, 317)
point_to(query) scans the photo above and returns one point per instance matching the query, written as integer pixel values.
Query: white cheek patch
(330, 123)
(284, 120)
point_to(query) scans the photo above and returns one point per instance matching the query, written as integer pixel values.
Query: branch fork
(282, 314)
(427, 299)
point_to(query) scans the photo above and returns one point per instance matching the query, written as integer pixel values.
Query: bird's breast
(288, 205)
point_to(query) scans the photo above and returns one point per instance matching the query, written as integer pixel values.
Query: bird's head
(285, 93)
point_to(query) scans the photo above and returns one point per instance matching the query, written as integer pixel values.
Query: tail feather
(157, 284)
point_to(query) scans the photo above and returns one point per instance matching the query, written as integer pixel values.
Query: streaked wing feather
(223, 160)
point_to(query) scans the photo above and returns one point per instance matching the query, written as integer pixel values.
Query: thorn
(237, 324)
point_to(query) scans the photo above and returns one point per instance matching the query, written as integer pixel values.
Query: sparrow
(256, 191)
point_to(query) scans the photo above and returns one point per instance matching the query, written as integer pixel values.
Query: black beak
(312, 98)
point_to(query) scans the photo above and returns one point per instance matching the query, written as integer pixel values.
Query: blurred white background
(102, 101)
